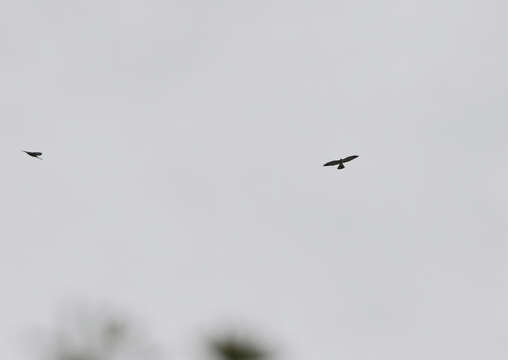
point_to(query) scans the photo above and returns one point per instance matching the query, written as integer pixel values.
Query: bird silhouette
(34, 154)
(340, 162)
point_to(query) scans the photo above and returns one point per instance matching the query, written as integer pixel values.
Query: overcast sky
(182, 178)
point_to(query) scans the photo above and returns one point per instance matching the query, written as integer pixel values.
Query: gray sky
(183, 179)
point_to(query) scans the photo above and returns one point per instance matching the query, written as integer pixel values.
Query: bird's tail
(341, 166)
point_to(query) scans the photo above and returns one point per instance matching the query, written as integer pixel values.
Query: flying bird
(340, 162)
(34, 154)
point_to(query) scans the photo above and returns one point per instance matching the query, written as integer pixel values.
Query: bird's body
(34, 154)
(340, 162)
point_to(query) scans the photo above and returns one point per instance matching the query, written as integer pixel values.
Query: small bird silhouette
(34, 154)
(340, 162)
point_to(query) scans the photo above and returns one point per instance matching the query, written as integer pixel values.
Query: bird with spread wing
(34, 154)
(340, 162)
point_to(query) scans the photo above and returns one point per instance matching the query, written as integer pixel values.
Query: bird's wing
(349, 158)
(332, 163)
(37, 153)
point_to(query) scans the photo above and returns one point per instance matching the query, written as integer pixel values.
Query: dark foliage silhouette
(92, 333)
(234, 348)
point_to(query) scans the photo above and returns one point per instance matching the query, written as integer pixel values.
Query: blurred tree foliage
(93, 334)
(87, 333)
(232, 347)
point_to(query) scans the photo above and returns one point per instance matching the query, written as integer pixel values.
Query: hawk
(340, 162)
(34, 154)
